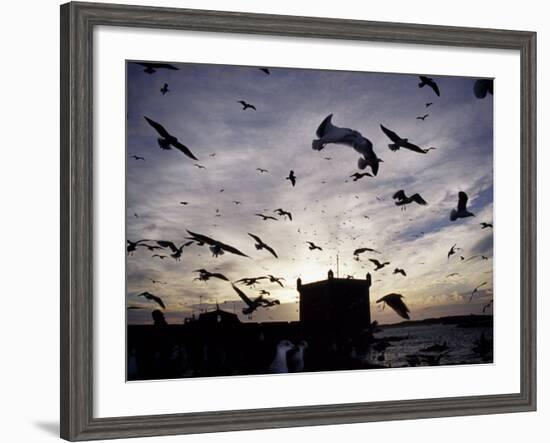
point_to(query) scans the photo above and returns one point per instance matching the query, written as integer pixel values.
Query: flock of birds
(327, 133)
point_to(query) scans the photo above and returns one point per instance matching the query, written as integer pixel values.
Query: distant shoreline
(471, 320)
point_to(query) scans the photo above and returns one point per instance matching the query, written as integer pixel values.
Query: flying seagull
(475, 290)
(328, 133)
(488, 305)
(166, 140)
(132, 246)
(483, 87)
(427, 81)
(261, 170)
(265, 70)
(422, 117)
(164, 89)
(261, 245)
(313, 246)
(274, 279)
(429, 104)
(152, 297)
(400, 271)
(176, 251)
(162, 257)
(266, 217)
(151, 68)
(461, 211)
(403, 200)
(252, 305)
(250, 281)
(361, 250)
(197, 165)
(292, 178)
(150, 247)
(137, 157)
(395, 301)
(378, 264)
(216, 247)
(399, 142)
(452, 251)
(246, 105)
(452, 274)
(359, 175)
(283, 213)
(486, 225)
(205, 275)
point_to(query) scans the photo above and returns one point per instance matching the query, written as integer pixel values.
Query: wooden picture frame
(77, 23)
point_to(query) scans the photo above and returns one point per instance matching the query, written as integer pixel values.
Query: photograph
(283, 220)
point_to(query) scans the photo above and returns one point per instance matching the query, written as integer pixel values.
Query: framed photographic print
(254, 206)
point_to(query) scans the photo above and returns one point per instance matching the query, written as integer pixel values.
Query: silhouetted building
(219, 319)
(337, 303)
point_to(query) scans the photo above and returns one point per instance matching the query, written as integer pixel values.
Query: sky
(201, 109)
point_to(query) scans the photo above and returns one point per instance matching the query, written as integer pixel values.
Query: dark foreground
(216, 348)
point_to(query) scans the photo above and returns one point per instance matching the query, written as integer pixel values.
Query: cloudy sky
(328, 208)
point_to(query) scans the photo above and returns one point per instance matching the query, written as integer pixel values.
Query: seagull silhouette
(205, 275)
(400, 271)
(313, 246)
(283, 213)
(427, 81)
(176, 251)
(378, 264)
(398, 142)
(261, 170)
(402, 199)
(266, 217)
(151, 68)
(476, 290)
(261, 245)
(132, 246)
(358, 175)
(216, 247)
(137, 157)
(422, 117)
(274, 279)
(164, 89)
(152, 297)
(292, 178)
(252, 305)
(452, 251)
(246, 105)
(361, 250)
(395, 301)
(167, 141)
(329, 133)
(461, 211)
(486, 225)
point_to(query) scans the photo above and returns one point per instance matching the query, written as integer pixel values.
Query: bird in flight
(138, 157)
(160, 282)
(164, 89)
(246, 105)
(184, 203)
(461, 211)
(261, 170)
(359, 175)
(291, 177)
(313, 246)
(488, 305)
(266, 217)
(151, 68)
(429, 149)
(250, 281)
(162, 257)
(361, 250)
(395, 301)
(176, 251)
(476, 290)
(283, 213)
(402, 199)
(167, 141)
(152, 297)
(429, 104)
(399, 142)
(486, 225)
(452, 251)
(197, 165)
(252, 305)
(427, 81)
(274, 279)
(400, 271)
(261, 245)
(422, 117)
(132, 246)
(329, 133)
(216, 247)
(205, 275)
(378, 264)
(236, 202)
(264, 292)
(265, 70)
(452, 274)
